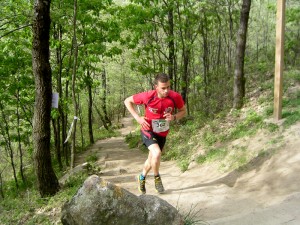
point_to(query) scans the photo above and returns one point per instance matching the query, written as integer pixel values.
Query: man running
(160, 107)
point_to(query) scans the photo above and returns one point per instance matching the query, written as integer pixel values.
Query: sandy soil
(265, 192)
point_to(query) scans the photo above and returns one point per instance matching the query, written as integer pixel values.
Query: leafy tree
(239, 78)
(47, 180)
(16, 87)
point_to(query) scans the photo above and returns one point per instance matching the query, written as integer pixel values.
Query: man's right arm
(129, 103)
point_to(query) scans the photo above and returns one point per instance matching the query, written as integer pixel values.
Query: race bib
(159, 126)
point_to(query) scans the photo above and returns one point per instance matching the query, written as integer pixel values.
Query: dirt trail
(267, 192)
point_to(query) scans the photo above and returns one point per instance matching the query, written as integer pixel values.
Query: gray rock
(101, 202)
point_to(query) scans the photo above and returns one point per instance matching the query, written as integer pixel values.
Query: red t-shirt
(155, 108)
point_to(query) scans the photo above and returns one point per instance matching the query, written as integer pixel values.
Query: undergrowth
(213, 136)
(27, 207)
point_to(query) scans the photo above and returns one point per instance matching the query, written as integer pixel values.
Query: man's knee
(155, 151)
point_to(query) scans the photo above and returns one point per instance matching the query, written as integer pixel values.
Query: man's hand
(168, 116)
(143, 122)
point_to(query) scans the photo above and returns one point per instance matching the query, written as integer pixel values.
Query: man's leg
(155, 145)
(147, 165)
(155, 154)
(153, 160)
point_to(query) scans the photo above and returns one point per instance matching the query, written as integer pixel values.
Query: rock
(101, 202)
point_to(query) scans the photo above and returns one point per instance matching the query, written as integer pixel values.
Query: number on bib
(159, 126)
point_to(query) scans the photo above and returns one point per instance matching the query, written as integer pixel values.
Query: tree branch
(19, 28)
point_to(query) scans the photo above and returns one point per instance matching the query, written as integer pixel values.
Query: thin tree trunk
(185, 64)
(19, 138)
(231, 36)
(6, 135)
(57, 123)
(1, 185)
(171, 44)
(205, 59)
(101, 117)
(80, 121)
(46, 178)
(90, 106)
(103, 98)
(75, 104)
(55, 126)
(124, 90)
(185, 73)
(239, 79)
(66, 146)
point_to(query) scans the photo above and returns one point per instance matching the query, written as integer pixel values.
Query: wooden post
(279, 53)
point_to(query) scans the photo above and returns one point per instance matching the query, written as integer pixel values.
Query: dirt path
(266, 193)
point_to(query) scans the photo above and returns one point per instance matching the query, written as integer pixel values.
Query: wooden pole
(279, 54)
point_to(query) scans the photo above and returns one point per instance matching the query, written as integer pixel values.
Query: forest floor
(265, 192)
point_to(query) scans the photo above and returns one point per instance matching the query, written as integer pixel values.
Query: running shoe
(158, 185)
(142, 183)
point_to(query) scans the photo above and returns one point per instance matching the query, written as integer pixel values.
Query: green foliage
(248, 126)
(27, 207)
(92, 158)
(292, 103)
(269, 111)
(133, 140)
(209, 138)
(212, 155)
(292, 37)
(74, 182)
(291, 118)
(291, 76)
(103, 133)
(271, 127)
(183, 164)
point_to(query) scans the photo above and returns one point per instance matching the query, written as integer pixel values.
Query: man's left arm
(180, 114)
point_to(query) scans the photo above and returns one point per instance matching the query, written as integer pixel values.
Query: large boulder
(101, 202)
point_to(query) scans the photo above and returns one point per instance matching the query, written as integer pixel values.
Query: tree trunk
(10, 151)
(46, 179)
(171, 44)
(239, 79)
(185, 74)
(124, 90)
(66, 146)
(90, 106)
(101, 117)
(75, 104)
(80, 121)
(57, 122)
(1, 185)
(103, 98)
(55, 125)
(231, 36)
(19, 138)
(206, 65)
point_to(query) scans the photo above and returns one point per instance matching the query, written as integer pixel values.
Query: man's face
(162, 89)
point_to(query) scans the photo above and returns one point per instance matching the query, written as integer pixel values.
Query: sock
(142, 177)
(156, 175)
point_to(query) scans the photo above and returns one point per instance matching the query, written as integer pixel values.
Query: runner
(160, 107)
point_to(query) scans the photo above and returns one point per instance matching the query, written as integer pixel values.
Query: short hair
(161, 77)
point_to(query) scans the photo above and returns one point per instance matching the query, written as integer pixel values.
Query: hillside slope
(265, 191)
